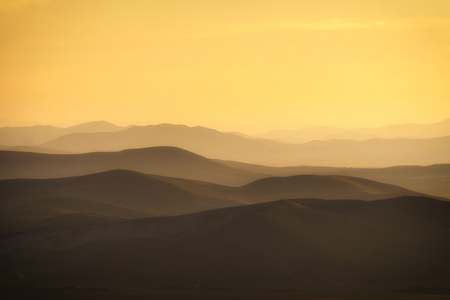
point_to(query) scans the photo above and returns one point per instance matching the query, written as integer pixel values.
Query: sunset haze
(232, 65)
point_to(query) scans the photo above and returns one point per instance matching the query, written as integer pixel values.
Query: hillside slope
(432, 179)
(319, 186)
(151, 194)
(304, 244)
(164, 161)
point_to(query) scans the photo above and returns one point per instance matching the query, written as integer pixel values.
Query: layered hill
(114, 193)
(432, 180)
(318, 186)
(175, 162)
(128, 194)
(226, 146)
(164, 161)
(307, 245)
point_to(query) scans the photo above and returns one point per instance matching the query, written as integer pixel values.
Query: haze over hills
(192, 203)
(318, 186)
(35, 135)
(175, 162)
(161, 135)
(33, 149)
(164, 161)
(391, 131)
(127, 194)
(432, 180)
(218, 145)
(193, 221)
(150, 194)
(312, 246)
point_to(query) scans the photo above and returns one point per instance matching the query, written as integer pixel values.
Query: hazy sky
(228, 64)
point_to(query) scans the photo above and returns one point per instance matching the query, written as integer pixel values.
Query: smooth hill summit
(319, 186)
(432, 180)
(94, 126)
(150, 194)
(164, 161)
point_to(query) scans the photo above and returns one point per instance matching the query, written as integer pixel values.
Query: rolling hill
(318, 186)
(175, 162)
(431, 180)
(309, 246)
(130, 195)
(164, 161)
(150, 194)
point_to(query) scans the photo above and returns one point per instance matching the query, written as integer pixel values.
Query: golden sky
(228, 64)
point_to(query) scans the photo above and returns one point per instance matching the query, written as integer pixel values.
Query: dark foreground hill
(164, 161)
(308, 247)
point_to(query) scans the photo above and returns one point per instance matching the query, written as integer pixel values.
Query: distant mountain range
(392, 149)
(215, 144)
(307, 247)
(35, 135)
(392, 131)
(179, 163)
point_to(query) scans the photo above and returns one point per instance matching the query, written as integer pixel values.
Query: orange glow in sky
(229, 64)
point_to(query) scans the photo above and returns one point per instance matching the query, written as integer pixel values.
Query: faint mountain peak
(32, 126)
(407, 130)
(94, 126)
(166, 151)
(167, 125)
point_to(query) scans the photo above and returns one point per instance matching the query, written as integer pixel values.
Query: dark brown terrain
(117, 193)
(128, 194)
(289, 249)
